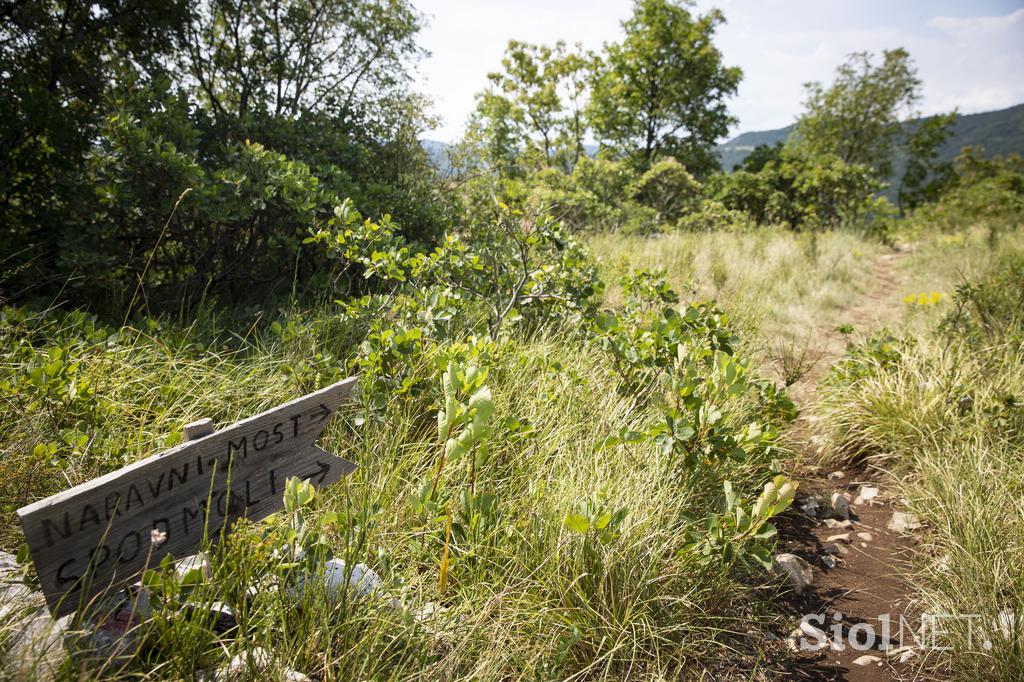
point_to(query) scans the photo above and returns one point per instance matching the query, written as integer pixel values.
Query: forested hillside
(999, 132)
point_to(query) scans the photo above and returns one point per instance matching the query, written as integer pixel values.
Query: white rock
(363, 581)
(253, 665)
(836, 476)
(840, 504)
(866, 495)
(842, 537)
(903, 521)
(833, 524)
(866, 537)
(196, 562)
(798, 573)
(867, 660)
(818, 641)
(249, 665)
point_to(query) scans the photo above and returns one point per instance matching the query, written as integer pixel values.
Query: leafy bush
(713, 215)
(989, 192)
(595, 196)
(992, 309)
(807, 192)
(667, 188)
(165, 221)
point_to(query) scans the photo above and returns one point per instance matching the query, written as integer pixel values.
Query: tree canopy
(858, 118)
(663, 89)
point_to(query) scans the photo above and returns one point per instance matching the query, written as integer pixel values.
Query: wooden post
(199, 428)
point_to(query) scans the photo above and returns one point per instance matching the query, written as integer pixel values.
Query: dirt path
(864, 584)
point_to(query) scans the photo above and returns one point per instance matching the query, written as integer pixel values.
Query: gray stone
(902, 522)
(797, 572)
(35, 646)
(840, 504)
(111, 637)
(34, 641)
(811, 506)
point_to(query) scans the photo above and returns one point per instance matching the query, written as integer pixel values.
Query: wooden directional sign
(98, 535)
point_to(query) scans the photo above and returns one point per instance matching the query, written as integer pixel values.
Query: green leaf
(577, 523)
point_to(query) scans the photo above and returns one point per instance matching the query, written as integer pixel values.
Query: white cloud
(972, 64)
(975, 25)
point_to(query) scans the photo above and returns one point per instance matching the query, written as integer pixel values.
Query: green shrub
(667, 188)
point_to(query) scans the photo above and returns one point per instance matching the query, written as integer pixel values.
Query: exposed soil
(865, 585)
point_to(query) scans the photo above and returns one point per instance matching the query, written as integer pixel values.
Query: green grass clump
(570, 537)
(943, 412)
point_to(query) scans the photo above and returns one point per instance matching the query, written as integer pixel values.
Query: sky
(970, 55)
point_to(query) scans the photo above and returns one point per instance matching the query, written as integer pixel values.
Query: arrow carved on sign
(323, 413)
(97, 535)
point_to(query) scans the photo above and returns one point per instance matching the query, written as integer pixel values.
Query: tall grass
(941, 412)
(527, 598)
(783, 288)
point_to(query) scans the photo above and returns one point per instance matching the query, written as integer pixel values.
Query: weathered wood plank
(98, 534)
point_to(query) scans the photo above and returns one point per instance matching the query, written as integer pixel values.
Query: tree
(276, 109)
(534, 108)
(925, 177)
(255, 60)
(857, 119)
(494, 136)
(57, 59)
(530, 83)
(662, 90)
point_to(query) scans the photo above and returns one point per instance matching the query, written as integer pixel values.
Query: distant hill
(999, 132)
(437, 152)
(735, 150)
